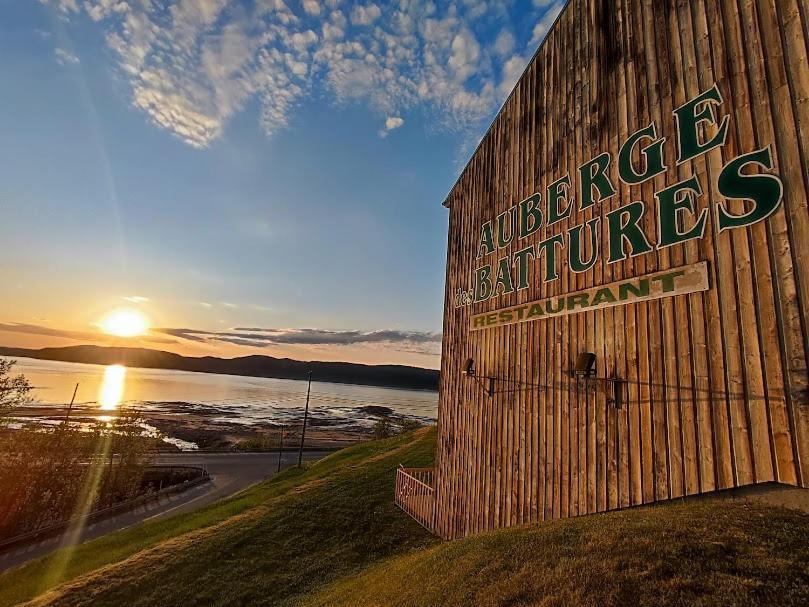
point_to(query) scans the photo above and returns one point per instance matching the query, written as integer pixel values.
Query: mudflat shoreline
(191, 426)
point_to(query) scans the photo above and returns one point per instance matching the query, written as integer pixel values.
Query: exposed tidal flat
(207, 411)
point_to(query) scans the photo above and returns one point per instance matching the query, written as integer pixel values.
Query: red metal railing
(415, 494)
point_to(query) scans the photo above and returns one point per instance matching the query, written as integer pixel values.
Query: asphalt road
(230, 473)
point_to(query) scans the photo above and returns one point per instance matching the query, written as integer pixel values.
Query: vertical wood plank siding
(717, 389)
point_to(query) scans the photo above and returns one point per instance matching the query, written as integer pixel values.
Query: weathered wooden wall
(718, 386)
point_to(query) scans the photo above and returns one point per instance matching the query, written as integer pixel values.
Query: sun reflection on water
(111, 392)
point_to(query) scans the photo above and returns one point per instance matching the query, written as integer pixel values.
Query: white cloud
(476, 8)
(504, 43)
(512, 70)
(192, 65)
(542, 28)
(65, 7)
(365, 15)
(334, 29)
(465, 54)
(312, 7)
(100, 9)
(276, 9)
(301, 41)
(65, 58)
(391, 124)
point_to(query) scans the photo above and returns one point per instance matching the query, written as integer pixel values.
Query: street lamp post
(305, 417)
(280, 447)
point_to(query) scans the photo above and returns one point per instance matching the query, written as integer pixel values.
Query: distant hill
(390, 376)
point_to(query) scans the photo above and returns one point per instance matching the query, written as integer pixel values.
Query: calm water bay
(244, 400)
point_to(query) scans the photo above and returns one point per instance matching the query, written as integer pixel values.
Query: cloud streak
(421, 342)
(63, 57)
(409, 341)
(31, 329)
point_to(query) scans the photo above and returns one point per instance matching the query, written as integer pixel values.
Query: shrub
(383, 428)
(50, 475)
(15, 391)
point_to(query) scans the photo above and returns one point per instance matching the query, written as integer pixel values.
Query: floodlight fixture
(585, 365)
(469, 367)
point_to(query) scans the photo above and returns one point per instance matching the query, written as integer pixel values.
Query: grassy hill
(710, 552)
(330, 535)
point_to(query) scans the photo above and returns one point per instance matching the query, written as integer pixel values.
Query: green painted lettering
(557, 192)
(530, 215)
(652, 156)
(642, 290)
(764, 191)
(690, 118)
(505, 235)
(579, 300)
(575, 246)
(536, 310)
(503, 278)
(486, 241)
(672, 203)
(628, 231)
(602, 296)
(521, 259)
(560, 306)
(483, 283)
(594, 175)
(667, 280)
(549, 248)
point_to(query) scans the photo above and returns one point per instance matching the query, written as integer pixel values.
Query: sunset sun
(124, 322)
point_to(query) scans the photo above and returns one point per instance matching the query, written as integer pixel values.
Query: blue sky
(255, 177)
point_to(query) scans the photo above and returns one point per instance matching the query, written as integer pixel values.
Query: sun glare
(111, 391)
(124, 322)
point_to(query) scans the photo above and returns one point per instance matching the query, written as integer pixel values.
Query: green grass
(700, 552)
(330, 536)
(266, 510)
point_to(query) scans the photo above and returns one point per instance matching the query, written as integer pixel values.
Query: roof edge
(505, 102)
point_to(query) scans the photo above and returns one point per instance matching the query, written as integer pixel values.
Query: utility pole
(70, 407)
(280, 447)
(305, 417)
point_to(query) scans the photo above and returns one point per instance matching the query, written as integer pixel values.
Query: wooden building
(640, 197)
